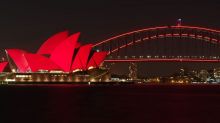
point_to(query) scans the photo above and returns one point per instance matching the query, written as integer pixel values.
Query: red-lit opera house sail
(2, 66)
(78, 45)
(39, 62)
(81, 58)
(96, 59)
(50, 44)
(17, 56)
(63, 53)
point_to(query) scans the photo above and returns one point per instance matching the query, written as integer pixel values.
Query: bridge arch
(118, 42)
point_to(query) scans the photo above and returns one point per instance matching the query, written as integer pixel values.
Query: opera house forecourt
(61, 58)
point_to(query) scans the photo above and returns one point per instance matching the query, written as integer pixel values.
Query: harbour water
(117, 103)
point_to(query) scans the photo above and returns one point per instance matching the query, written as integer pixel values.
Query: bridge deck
(162, 60)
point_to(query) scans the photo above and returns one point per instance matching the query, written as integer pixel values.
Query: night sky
(27, 24)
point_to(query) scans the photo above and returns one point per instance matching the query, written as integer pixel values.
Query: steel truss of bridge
(210, 39)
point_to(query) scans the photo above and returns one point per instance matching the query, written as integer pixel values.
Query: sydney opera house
(61, 58)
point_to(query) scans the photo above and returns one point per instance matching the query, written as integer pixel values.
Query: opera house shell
(60, 55)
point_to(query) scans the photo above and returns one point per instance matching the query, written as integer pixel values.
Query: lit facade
(56, 60)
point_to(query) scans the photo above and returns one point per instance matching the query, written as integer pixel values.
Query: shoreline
(107, 83)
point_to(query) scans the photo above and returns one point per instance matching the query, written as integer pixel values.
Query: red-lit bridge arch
(114, 44)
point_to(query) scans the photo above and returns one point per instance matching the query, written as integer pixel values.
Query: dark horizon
(24, 23)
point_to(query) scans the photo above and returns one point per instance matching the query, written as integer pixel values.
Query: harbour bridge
(179, 43)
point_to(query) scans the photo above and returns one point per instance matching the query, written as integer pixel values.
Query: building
(217, 74)
(60, 58)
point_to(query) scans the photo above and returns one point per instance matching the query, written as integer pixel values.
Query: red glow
(81, 58)
(38, 62)
(160, 36)
(128, 33)
(2, 66)
(197, 28)
(61, 48)
(50, 44)
(63, 53)
(78, 45)
(17, 56)
(96, 59)
(163, 27)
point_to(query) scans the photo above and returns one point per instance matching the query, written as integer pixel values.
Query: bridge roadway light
(141, 56)
(148, 56)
